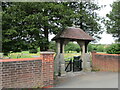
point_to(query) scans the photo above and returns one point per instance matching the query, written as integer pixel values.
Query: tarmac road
(88, 80)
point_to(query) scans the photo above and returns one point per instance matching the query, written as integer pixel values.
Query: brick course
(27, 72)
(105, 62)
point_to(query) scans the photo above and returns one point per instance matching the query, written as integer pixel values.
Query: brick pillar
(93, 59)
(0, 75)
(47, 68)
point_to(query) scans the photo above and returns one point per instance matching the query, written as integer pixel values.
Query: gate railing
(68, 64)
(73, 64)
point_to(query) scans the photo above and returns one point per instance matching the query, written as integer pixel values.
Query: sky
(105, 38)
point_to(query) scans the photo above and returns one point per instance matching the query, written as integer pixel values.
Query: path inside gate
(88, 80)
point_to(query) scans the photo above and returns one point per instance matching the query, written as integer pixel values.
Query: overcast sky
(105, 38)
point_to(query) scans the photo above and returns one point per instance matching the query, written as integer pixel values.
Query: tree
(113, 23)
(113, 49)
(52, 46)
(96, 47)
(28, 24)
(72, 47)
(86, 18)
(100, 48)
(92, 47)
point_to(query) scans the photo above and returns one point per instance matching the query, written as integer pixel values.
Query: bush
(33, 51)
(5, 53)
(100, 48)
(96, 47)
(78, 49)
(72, 47)
(113, 49)
(17, 50)
(92, 47)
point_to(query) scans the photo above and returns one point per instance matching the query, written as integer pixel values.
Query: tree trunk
(45, 45)
(81, 26)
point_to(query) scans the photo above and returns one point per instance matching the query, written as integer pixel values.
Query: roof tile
(73, 33)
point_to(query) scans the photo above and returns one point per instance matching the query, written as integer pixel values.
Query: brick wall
(27, 72)
(105, 62)
(48, 68)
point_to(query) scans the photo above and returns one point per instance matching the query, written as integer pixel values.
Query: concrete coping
(47, 52)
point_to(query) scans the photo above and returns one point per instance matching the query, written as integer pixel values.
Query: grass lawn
(68, 56)
(26, 54)
(101, 52)
(23, 54)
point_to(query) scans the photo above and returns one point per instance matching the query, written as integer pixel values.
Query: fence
(27, 72)
(105, 62)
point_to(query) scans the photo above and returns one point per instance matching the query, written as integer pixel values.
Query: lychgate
(62, 38)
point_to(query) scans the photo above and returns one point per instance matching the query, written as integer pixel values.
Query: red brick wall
(48, 68)
(105, 62)
(27, 72)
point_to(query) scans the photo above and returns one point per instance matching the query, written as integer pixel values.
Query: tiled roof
(73, 33)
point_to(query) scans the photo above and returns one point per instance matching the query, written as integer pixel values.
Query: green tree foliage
(113, 49)
(92, 47)
(33, 50)
(28, 24)
(69, 47)
(96, 47)
(100, 48)
(86, 18)
(52, 46)
(113, 23)
(78, 49)
(72, 47)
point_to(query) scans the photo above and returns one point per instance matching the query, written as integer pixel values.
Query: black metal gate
(68, 66)
(73, 65)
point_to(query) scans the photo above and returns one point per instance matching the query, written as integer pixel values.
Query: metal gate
(73, 65)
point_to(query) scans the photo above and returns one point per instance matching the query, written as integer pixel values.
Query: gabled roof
(73, 34)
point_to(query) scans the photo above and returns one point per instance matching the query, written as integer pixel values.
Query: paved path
(88, 80)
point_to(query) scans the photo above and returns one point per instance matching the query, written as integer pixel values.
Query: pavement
(88, 80)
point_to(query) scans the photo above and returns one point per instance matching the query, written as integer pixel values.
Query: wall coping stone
(107, 54)
(47, 52)
(20, 59)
